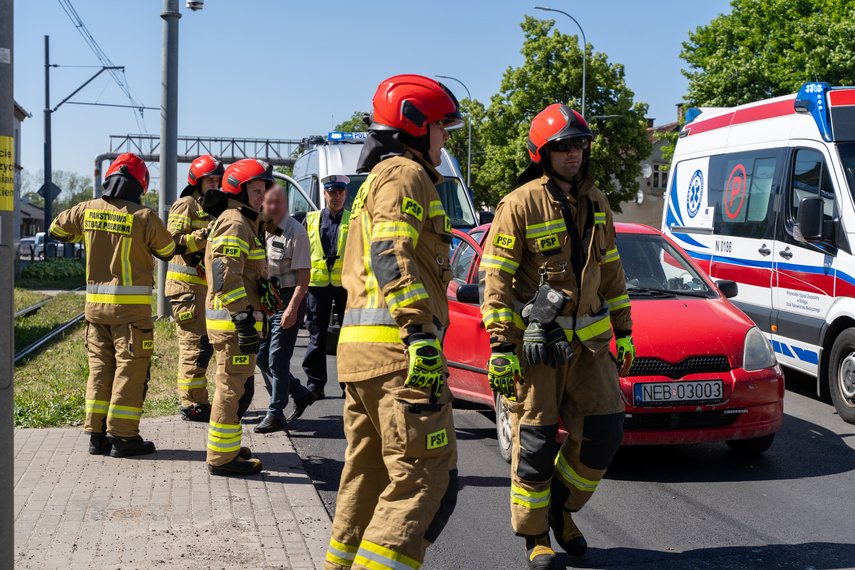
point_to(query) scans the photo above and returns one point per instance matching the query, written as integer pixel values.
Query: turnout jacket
(396, 267)
(529, 243)
(235, 258)
(188, 224)
(120, 238)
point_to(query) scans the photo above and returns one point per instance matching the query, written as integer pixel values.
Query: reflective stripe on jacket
(396, 267)
(187, 223)
(120, 237)
(320, 275)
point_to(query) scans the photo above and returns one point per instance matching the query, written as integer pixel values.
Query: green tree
(552, 73)
(458, 146)
(768, 48)
(75, 188)
(354, 124)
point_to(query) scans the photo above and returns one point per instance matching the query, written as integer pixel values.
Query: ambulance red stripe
(843, 97)
(758, 113)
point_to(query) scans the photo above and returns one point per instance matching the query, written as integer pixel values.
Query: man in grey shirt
(289, 258)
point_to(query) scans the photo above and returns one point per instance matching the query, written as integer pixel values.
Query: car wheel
(751, 446)
(503, 426)
(841, 375)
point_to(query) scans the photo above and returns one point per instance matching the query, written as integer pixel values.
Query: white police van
(339, 154)
(764, 194)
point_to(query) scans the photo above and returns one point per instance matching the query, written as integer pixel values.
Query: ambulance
(764, 194)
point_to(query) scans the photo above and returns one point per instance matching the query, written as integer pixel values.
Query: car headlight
(758, 352)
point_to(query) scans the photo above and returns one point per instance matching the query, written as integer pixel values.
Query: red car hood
(673, 329)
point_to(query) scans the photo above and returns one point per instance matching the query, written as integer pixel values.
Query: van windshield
(847, 158)
(451, 192)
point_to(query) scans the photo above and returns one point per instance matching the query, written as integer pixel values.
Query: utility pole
(168, 133)
(48, 185)
(584, 51)
(7, 282)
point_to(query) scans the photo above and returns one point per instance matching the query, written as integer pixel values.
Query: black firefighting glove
(534, 343)
(425, 363)
(248, 340)
(557, 346)
(546, 305)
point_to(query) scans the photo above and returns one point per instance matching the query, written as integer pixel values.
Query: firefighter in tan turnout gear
(399, 483)
(120, 236)
(553, 290)
(186, 286)
(236, 267)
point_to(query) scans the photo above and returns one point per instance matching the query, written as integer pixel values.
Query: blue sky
(283, 69)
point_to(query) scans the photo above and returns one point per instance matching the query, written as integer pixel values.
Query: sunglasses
(579, 143)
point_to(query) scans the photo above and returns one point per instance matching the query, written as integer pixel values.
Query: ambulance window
(741, 189)
(811, 178)
(847, 157)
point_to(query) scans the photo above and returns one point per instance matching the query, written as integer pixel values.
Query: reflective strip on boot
(340, 553)
(530, 499)
(379, 557)
(97, 406)
(124, 412)
(187, 383)
(570, 475)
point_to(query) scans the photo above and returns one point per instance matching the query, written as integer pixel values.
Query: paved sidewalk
(74, 510)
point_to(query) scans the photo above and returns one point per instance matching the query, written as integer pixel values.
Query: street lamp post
(469, 120)
(584, 49)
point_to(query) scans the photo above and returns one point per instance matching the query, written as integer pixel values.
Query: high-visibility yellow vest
(320, 275)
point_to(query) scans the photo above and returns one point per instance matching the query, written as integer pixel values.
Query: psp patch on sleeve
(413, 208)
(503, 241)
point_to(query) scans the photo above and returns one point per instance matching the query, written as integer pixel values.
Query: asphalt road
(680, 507)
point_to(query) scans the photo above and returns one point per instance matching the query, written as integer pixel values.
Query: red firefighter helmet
(205, 165)
(409, 103)
(242, 171)
(556, 122)
(129, 164)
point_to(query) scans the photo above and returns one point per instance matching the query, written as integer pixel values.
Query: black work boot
(538, 553)
(567, 534)
(300, 406)
(236, 466)
(130, 446)
(270, 424)
(196, 413)
(318, 392)
(98, 444)
(245, 453)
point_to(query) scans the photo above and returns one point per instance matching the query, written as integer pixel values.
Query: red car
(703, 371)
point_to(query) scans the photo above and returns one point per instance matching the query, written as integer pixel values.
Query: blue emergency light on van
(337, 136)
(811, 99)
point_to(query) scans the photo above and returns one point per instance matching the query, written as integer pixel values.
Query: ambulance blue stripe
(802, 354)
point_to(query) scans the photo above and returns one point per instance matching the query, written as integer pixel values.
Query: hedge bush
(54, 269)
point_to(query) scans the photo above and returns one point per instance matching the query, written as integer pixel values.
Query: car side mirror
(469, 294)
(485, 217)
(729, 289)
(809, 226)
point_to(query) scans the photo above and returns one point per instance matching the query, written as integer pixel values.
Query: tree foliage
(75, 188)
(769, 48)
(354, 124)
(552, 73)
(458, 146)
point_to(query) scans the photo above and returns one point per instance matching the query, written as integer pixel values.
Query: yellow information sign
(7, 173)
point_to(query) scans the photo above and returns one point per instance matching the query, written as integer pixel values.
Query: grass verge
(36, 284)
(25, 298)
(33, 327)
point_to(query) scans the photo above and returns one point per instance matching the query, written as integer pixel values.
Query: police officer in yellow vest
(327, 236)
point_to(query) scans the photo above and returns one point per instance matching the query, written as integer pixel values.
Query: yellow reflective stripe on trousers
(223, 430)
(496, 315)
(406, 296)
(232, 296)
(572, 477)
(545, 229)
(529, 499)
(341, 553)
(97, 406)
(198, 382)
(494, 262)
(599, 217)
(224, 445)
(618, 302)
(611, 255)
(370, 333)
(386, 230)
(125, 412)
(379, 557)
(125, 253)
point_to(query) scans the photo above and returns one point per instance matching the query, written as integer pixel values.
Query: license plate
(665, 393)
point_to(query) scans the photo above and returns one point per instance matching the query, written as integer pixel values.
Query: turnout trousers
(399, 483)
(585, 395)
(119, 359)
(319, 309)
(235, 386)
(194, 348)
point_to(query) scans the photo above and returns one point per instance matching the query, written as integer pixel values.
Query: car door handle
(764, 251)
(786, 254)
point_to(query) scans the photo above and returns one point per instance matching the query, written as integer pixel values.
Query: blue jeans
(274, 360)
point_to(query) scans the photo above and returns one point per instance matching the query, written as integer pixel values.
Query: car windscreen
(451, 193)
(652, 264)
(847, 158)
